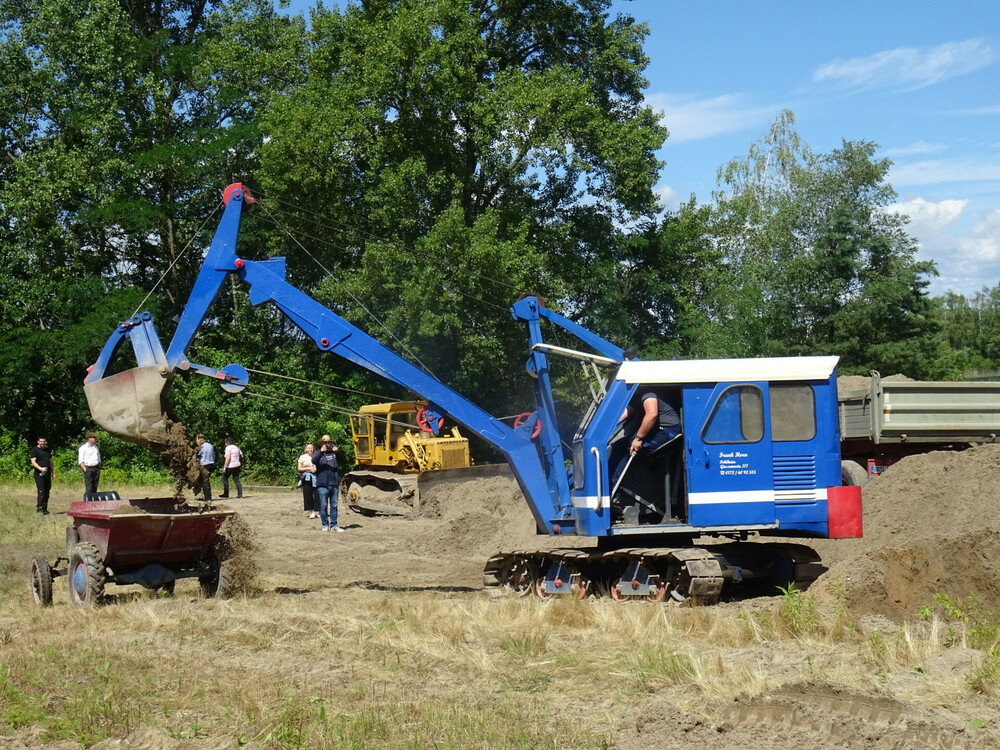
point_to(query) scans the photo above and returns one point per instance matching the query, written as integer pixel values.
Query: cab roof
(678, 372)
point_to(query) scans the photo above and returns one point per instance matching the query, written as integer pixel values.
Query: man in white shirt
(89, 458)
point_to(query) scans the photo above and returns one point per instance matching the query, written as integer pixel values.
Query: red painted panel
(844, 512)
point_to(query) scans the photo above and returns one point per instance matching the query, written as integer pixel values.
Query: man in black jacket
(41, 462)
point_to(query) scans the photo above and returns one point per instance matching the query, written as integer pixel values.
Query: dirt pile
(930, 526)
(850, 383)
(477, 517)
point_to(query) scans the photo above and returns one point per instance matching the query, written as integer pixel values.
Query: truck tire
(852, 474)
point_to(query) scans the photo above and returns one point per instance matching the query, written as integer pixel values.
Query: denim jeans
(662, 436)
(235, 474)
(331, 493)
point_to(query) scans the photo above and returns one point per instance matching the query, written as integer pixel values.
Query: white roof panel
(726, 370)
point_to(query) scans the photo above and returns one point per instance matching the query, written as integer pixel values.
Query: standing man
(231, 468)
(89, 458)
(327, 481)
(41, 462)
(206, 457)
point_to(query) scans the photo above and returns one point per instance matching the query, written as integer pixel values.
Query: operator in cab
(651, 421)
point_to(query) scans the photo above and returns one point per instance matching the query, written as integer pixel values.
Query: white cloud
(929, 215)
(908, 67)
(967, 257)
(689, 118)
(983, 242)
(919, 147)
(937, 171)
(667, 197)
(993, 109)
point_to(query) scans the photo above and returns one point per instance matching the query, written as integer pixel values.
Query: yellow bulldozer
(397, 455)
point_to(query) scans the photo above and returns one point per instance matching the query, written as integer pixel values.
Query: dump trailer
(758, 454)
(397, 455)
(892, 419)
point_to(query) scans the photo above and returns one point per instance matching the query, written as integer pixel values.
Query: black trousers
(310, 498)
(91, 478)
(43, 483)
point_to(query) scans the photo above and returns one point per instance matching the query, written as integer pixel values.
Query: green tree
(443, 155)
(821, 264)
(119, 123)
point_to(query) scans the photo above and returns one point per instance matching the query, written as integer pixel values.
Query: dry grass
(358, 668)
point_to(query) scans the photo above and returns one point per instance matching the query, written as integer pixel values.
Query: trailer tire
(218, 583)
(41, 581)
(852, 474)
(85, 575)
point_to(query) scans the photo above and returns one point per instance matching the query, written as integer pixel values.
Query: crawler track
(697, 575)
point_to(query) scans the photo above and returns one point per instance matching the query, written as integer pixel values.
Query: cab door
(361, 426)
(729, 469)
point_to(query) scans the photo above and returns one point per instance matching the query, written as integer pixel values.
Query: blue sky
(919, 78)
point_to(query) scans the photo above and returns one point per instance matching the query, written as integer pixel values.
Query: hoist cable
(281, 396)
(387, 399)
(176, 259)
(410, 261)
(328, 223)
(350, 294)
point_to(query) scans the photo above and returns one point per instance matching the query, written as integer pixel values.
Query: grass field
(354, 667)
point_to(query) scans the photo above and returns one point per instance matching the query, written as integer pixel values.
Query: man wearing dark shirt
(654, 422)
(41, 462)
(327, 482)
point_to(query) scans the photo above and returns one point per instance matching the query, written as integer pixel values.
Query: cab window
(399, 423)
(737, 417)
(793, 412)
(362, 433)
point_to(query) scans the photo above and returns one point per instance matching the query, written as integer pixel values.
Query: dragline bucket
(131, 405)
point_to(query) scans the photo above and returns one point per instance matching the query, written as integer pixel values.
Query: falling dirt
(242, 544)
(172, 444)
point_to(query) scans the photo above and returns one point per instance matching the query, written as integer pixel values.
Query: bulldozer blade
(130, 405)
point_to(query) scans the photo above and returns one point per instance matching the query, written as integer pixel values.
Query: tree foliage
(451, 148)
(820, 263)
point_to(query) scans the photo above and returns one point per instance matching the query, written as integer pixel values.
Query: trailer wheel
(853, 474)
(85, 575)
(218, 582)
(41, 581)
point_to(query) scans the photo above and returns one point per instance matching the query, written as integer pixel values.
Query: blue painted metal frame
(590, 521)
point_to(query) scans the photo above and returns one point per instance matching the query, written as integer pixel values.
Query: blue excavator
(758, 454)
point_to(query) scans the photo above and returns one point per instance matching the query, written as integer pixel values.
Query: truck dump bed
(909, 411)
